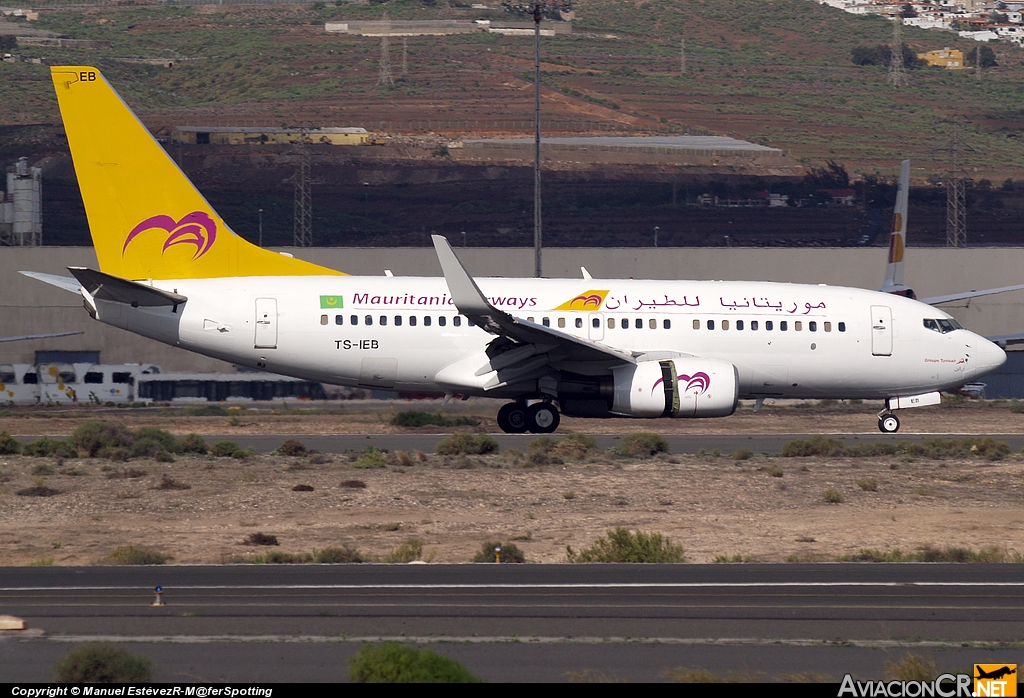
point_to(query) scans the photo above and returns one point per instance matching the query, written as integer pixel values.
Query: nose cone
(987, 356)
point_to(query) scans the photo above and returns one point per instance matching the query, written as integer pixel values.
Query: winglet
(467, 296)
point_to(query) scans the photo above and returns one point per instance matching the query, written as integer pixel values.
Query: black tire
(542, 418)
(889, 424)
(512, 418)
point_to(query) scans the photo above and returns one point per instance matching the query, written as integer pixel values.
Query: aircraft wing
(38, 336)
(560, 347)
(1004, 340)
(936, 300)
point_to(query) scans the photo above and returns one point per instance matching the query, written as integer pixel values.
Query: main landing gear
(888, 423)
(518, 418)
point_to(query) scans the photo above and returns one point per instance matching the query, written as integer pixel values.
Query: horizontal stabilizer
(936, 300)
(65, 282)
(38, 336)
(112, 288)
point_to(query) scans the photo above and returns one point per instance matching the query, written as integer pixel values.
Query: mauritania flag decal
(332, 302)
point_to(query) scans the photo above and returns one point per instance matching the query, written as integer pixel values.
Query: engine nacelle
(676, 388)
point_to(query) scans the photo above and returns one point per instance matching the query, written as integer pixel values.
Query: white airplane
(172, 270)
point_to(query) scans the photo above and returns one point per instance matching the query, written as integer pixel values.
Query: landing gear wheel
(542, 418)
(888, 424)
(512, 418)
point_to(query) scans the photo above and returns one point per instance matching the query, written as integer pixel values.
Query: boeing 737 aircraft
(172, 270)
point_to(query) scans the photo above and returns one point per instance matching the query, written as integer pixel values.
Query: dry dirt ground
(714, 505)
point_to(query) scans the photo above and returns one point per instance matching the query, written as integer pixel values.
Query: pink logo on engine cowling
(195, 228)
(700, 381)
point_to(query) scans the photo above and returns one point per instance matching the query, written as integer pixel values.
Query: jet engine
(682, 387)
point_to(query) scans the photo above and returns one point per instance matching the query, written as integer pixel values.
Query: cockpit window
(942, 325)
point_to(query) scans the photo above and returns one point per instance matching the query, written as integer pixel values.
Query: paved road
(528, 622)
(678, 443)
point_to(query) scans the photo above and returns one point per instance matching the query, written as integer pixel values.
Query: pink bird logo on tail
(196, 228)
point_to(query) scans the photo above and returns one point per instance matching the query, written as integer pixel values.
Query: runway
(678, 443)
(761, 617)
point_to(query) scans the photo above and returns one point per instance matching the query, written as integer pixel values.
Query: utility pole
(552, 9)
(302, 221)
(260, 213)
(384, 76)
(956, 194)
(897, 76)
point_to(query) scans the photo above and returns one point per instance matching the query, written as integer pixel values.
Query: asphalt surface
(678, 443)
(520, 622)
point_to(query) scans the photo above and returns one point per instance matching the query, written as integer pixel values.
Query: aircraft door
(881, 330)
(266, 323)
(595, 323)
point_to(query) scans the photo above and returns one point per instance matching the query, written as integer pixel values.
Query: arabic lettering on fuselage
(615, 302)
(765, 303)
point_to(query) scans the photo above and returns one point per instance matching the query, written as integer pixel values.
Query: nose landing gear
(539, 418)
(888, 423)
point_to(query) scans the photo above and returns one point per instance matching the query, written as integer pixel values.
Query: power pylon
(302, 221)
(897, 76)
(384, 76)
(956, 190)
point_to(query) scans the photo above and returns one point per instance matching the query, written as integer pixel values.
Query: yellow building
(237, 135)
(949, 58)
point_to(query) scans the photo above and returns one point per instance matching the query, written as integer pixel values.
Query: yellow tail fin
(147, 219)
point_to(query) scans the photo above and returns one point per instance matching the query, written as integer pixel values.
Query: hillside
(776, 72)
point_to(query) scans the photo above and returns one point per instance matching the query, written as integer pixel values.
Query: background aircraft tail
(898, 238)
(146, 218)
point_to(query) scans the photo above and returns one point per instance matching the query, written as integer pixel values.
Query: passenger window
(711, 324)
(725, 324)
(653, 324)
(368, 320)
(561, 322)
(753, 325)
(457, 321)
(812, 326)
(442, 321)
(769, 325)
(546, 322)
(639, 324)
(323, 319)
(579, 323)
(398, 321)
(383, 319)
(611, 323)
(667, 324)
(625, 323)
(783, 326)
(412, 321)
(842, 327)
(696, 324)
(469, 323)
(798, 325)
(828, 326)
(353, 320)
(596, 323)
(739, 324)
(529, 319)
(426, 321)
(339, 319)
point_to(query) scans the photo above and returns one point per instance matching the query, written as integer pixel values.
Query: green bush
(103, 662)
(206, 411)
(817, 445)
(643, 443)
(620, 545)
(45, 446)
(337, 556)
(510, 552)
(467, 444)
(832, 496)
(9, 445)
(131, 555)
(227, 449)
(92, 437)
(571, 447)
(415, 418)
(394, 663)
(369, 459)
(193, 443)
(409, 551)
(292, 447)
